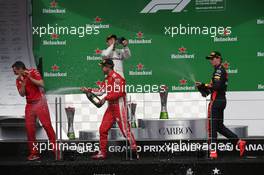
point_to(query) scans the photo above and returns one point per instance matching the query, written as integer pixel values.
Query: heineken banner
(168, 39)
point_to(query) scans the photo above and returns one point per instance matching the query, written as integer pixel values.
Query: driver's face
(215, 61)
(17, 71)
(105, 69)
(110, 41)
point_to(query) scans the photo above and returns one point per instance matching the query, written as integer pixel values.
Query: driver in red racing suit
(114, 85)
(29, 84)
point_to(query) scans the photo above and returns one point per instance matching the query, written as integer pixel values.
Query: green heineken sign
(168, 41)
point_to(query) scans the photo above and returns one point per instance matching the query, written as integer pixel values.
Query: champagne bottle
(94, 99)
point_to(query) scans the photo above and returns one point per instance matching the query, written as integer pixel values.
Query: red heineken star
(139, 35)
(55, 67)
(140, 66)
(226, 65)
(54, 36)
(183, 82)
(226, 32)
(98, 51)
(53, 4)
(182, 49)
(98, 19)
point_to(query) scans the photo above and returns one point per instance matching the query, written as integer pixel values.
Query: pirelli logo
(173, 5)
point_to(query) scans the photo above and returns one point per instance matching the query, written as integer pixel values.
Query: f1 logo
(174, 5)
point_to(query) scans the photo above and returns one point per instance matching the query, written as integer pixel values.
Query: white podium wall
(243, 108)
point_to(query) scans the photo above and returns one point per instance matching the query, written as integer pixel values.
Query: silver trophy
(70, 117)
(131, 114)
(163, 99)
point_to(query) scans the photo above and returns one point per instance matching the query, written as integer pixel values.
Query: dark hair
(18, 65)
(111, 36)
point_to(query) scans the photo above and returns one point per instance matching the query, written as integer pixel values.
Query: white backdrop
(243, 108)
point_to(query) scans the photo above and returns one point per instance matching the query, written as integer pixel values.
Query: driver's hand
(125, 43)
(85, 89)
(197, 83)
(102, 101)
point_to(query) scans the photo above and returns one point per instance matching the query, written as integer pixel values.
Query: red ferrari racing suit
(114, 85)
(36, 107)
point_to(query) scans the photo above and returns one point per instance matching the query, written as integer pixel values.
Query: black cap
(213, 55)
(111, 36)
(107, 62)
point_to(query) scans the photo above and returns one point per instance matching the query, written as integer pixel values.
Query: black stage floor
(13, 161)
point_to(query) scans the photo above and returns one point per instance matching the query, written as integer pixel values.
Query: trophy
(131, 113)
(70, 116)
(163, 98)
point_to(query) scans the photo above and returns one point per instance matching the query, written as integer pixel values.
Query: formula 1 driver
(217, 88)
(116, 54)
(114, 86)
(29, 84)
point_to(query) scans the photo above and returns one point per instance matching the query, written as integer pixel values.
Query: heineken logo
(260, 86)
(182, 54)
(97, 19)
(139, 69)
(55, 67)
(98, 51)
(228, 68)
(96, 56)
(172, 5)
(260, 54)
(53, 4)
(260, 21)
(226, 65)
(225, 36)
(55, 72)
(139, 39)
(54, 40)
(140, 66)
(139, 35)
(226, 32)
(183, 82)
(182, 49)
(183, 86)
(53, 8)
(54, 36)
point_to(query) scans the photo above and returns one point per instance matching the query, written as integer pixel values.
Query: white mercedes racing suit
(117, 55)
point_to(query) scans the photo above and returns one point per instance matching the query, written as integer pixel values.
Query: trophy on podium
(163, 99)
(131, 114)
(70, 117)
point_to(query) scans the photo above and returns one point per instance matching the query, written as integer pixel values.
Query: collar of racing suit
(218, 66)
(110, 74)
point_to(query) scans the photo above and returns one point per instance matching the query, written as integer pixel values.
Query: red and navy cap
(214, 54)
